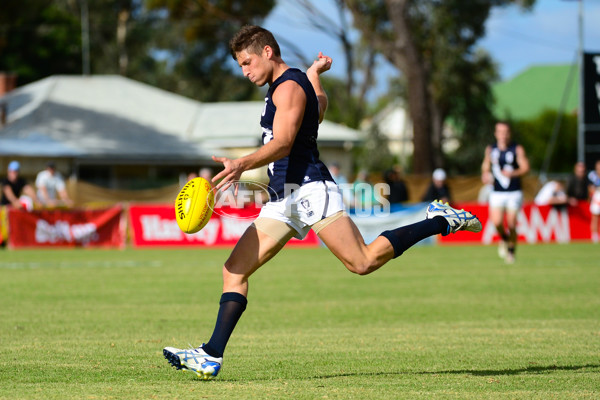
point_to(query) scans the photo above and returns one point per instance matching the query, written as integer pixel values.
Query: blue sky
(516, 40)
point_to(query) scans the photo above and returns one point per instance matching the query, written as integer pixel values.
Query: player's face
(255, 67)
(502, 134)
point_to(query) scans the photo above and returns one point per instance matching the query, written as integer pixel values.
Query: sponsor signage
(155, 225)
(67, 228)
(535, 224)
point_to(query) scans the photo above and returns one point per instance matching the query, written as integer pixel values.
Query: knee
(229, 274)
(363, 267)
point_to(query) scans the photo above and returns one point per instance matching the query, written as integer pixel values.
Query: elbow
(284, 150)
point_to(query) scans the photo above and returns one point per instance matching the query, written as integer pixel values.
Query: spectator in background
(398, 190)
(594, 178)
(13, 186)
(191, 176)
(342, 182)
(364, 195)
(336, 174)
(206, 173)
(51, 187)
(438, 189)
(577, 185)
(553, 194)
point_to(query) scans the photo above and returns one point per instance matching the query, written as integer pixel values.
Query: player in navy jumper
(304, 196)
(504, 163)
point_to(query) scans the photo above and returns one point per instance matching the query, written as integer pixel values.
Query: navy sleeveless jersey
(302, 165)
(505, 160)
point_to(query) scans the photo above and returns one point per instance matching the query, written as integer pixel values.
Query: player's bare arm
(290, 101)
(322, 64)
(486, 175)
(523, 162)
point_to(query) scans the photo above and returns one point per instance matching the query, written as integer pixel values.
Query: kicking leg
(345, 241)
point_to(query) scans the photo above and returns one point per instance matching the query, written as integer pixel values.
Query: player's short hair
(504, 122)
(253, 39)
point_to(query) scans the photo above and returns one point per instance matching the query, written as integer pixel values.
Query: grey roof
(98, 117)
(237, 124)
(113, 117)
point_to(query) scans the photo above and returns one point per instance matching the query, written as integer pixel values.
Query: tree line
(182, 46)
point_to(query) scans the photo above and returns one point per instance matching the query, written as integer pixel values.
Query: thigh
(497, 215)
(499, 207)
(513, 207)
(253, 250)
(345, 241)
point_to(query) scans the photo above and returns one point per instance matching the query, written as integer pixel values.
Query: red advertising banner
(534, 224)
(66, 228)
(155, 225)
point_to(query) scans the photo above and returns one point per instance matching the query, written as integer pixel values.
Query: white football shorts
(511, 201)
(305, 206)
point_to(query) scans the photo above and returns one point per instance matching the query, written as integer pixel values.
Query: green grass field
(447, 322)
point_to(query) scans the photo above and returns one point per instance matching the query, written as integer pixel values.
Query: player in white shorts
(504, 163)
(303, 195)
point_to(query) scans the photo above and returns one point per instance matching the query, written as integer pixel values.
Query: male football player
(304, 196)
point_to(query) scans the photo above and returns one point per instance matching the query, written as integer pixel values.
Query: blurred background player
(504, 163)
(594, 178)
(51, 189)
(14, 186)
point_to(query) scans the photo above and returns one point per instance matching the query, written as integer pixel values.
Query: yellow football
(194, 205)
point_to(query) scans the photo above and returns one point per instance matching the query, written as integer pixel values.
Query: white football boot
(459, 220)
(502, 249)
(195, 360)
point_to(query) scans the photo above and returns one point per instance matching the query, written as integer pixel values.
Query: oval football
(194, 205)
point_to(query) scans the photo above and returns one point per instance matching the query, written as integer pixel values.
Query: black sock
(504, 236)
(406, 236)
(232, 306)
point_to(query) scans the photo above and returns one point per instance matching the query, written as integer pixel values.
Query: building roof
(237, 124)
(113, 117)
(97, 117)
(536, 89)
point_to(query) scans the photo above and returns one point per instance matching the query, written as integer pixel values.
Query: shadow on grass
(474, 372)
(527, 370)
(486, 372)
